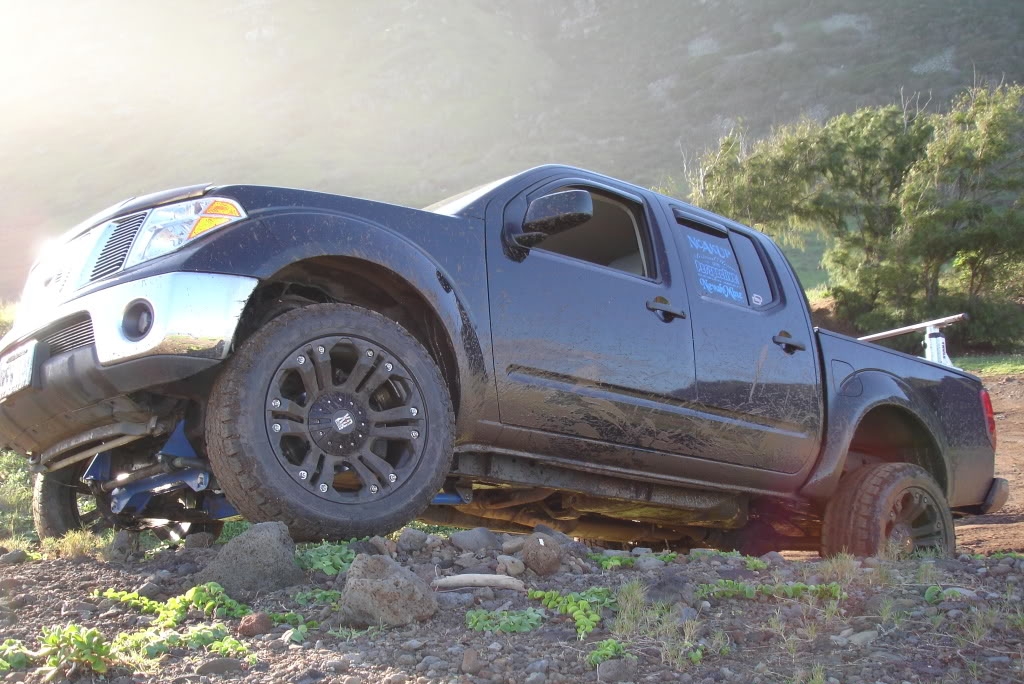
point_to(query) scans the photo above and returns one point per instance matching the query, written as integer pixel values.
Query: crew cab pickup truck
(556, 347)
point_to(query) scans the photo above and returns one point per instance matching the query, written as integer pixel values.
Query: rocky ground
(697, 617)
(370, 611)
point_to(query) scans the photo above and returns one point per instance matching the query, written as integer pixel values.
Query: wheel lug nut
(369, 352)
(414, 411)
(414, 434)
(374, 489)
(276, 403)
(392, 478)
(300, 360)
(389, 367)
(320, 350)
(323, 488)
(276, 427)
(303, 474)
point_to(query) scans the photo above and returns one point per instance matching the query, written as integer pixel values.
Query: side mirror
(552, 214)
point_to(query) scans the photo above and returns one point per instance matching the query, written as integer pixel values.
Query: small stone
(864, 638)
(961, 592)
(871, 562)
(999, 570)
(513, 566)
(219, 666)
(13, 557)
(954, 614)
(774, 558)
(337, 666)
(494, 646)
(641, 551)
(513, 545)
(839, 641)
(536, 678)
(705, 606)
(412, 645)
(617, 670)
(255, 623)
(352, 679)
(149, 590)
(471, 663)
(199, 540)
(477, 539)
(411, 540)
(538, 666)
(648, 563)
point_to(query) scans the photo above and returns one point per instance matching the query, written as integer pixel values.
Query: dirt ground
(1003, 531)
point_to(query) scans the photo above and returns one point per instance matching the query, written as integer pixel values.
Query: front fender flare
(262, 247)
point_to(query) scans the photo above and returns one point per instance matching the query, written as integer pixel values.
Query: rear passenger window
(727, 267)
(714, 265)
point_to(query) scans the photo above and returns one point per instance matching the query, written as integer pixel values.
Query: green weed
(504, 621)
(329, 558)
(584, 607)
(612, 562)
(605, 650)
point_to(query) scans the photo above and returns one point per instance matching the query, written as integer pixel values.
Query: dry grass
(74, 544)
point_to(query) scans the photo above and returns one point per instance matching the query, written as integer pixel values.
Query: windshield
(456, 203)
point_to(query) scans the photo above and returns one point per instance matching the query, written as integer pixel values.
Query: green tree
(962, 204)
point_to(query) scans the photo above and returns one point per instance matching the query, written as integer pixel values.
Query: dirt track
(1005, 529)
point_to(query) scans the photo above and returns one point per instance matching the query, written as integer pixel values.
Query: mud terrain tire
(888, 502)
(332, 419)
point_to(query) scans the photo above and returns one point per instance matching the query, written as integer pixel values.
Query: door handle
(660, 305)
(788, 344)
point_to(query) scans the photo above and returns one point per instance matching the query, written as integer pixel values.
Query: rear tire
(883, 503)
(332, 419)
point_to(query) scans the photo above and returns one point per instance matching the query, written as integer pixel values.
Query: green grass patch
(210, 598)
(991, 364)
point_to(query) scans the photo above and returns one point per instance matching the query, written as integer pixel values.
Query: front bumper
(79, 389)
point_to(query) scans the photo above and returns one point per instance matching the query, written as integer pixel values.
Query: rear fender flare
(859, 394)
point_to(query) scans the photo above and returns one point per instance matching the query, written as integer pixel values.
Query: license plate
(16, 369)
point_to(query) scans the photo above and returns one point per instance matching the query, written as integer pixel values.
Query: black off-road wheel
(884, 505)
(332, 419)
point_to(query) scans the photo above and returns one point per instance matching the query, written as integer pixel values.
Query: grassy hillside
(408, 101)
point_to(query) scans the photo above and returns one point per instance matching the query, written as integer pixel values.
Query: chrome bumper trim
(194, 314)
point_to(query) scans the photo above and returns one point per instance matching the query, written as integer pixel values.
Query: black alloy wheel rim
(345, 419)
(915, 521)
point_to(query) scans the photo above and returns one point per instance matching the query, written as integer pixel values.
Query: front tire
(61, 503)
(885, 504)
(332, 419)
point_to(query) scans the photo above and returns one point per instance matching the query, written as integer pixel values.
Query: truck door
(591, 341)
(756, 364)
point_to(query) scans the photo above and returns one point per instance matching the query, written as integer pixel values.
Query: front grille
(70, 334)
(115, 251)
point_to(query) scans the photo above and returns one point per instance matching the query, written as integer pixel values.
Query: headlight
(168, 228)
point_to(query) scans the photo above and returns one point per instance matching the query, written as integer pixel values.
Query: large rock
(260, 559)
(380, 591)
(542, 554)
(477, 539)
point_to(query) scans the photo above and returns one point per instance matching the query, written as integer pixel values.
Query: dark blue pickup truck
(556, 347)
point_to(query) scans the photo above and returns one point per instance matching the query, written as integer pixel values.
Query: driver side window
(616, 237)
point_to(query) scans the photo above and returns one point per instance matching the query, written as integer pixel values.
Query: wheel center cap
(343, 422)
(337, 423)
